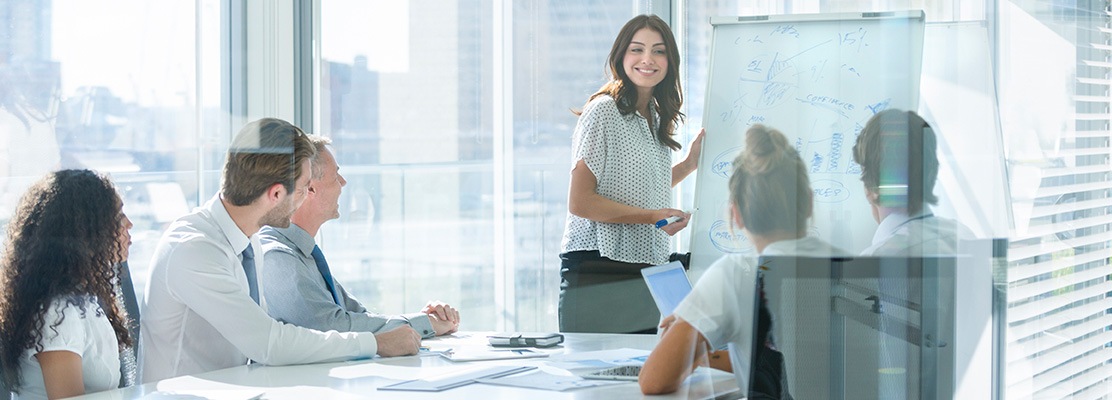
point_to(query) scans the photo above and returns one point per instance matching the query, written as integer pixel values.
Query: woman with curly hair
(61, 330)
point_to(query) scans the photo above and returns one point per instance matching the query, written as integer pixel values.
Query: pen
(666, 221)
(662, 223)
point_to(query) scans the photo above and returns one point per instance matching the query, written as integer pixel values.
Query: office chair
(129, 361)
(5, 393)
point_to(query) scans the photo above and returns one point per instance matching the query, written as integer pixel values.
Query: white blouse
(721, 304)
(631, 167)
(85, 333)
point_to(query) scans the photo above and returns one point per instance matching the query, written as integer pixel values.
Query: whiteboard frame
(910, 15)
(907, 14)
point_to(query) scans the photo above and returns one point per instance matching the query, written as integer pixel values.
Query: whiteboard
(817, 78)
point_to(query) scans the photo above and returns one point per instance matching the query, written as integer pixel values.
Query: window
(1056, 112)
(457, 175)
(137, 98)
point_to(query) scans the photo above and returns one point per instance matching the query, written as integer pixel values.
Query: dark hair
(62, 243)
(263, 153)
(668, 94)
(896, 151)
(769, 185)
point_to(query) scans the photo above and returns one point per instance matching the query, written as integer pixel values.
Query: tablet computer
(668, 285)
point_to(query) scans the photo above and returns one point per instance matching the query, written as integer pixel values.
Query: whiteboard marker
(666, 221)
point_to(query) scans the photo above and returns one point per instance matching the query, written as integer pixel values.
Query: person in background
(771, 201)
(300, 287)
(61, 327)
(899, 167)
(621, 184)
(202, 311)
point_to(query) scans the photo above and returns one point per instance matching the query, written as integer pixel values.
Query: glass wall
(1033, 77)
(407, 94)
(1054, 61)
(452, 123)
(137, 98)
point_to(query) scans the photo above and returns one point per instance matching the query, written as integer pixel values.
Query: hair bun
(765, 148)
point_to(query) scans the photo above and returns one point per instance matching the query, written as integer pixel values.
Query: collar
(227, 225)
(299, 237)
(894, 221)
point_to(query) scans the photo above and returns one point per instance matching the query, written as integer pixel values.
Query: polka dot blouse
(631, 167)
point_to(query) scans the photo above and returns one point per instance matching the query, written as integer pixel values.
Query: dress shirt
(922, 234)
(721, 304)
(297, 293)
(198, 316)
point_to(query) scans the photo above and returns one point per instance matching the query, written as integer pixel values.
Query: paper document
(200, 394)
(490, 353)
(546, 381)
(456, 379)
(396, 372)
(600, 359)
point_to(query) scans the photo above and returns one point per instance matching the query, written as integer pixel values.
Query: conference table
(362, 379)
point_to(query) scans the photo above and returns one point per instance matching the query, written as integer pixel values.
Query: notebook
(619, 373)
(668, 285)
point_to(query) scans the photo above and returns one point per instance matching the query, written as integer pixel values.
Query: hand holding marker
(664, 222)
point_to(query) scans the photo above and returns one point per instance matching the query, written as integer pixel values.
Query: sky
(146, 51)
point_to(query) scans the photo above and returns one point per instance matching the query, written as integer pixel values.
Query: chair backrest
(129, 363)
(860, 327)
(5, 393)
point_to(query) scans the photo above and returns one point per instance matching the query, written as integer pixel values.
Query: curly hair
(62, 244)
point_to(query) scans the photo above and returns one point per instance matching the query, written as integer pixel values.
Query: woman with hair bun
(61, 327)
(771, 201)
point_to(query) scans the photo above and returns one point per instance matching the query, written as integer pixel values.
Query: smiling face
(646, 60)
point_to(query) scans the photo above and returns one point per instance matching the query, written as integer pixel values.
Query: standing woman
(61, 328)
(621, 184)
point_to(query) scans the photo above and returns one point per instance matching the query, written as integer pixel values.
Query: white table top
(355, 379)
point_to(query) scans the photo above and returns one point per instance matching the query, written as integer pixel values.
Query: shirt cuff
(368, 344)
(420, 322)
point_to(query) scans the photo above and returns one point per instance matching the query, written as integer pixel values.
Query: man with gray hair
(301, 289)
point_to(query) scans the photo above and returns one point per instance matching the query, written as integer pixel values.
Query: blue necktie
(322, 266)
(249, 269)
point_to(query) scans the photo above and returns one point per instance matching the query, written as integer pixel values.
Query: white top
(198, 316)
(721, 305)
(631, 167)
(86, 333)
(923, 234)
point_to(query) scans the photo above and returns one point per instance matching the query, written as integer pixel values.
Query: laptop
(668, 285)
